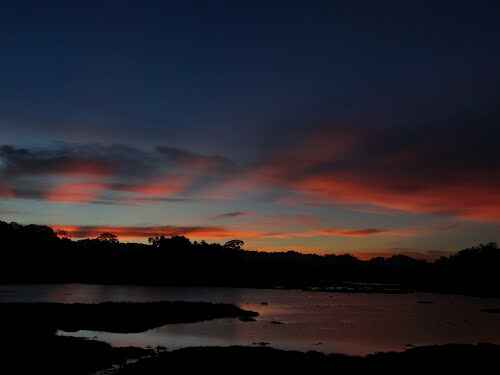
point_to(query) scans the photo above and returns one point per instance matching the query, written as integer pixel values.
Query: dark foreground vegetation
(41, 352)
(230, 360)
(36, 254)
(51, 354)
(30, 346)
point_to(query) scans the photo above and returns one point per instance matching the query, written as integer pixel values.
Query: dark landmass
(492, 311)
(39, 353)
(360, 287)
(111, 316)
(30, 345)
(36, 254)
(230, 360)
(50, 354)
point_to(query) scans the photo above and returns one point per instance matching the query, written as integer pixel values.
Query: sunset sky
(319, 126)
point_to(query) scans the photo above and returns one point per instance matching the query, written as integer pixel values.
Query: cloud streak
(138, 232)
(448, 169)
(441, 170)
(218, 232)
(89, 173)
(230, 215)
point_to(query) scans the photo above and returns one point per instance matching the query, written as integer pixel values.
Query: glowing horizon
(289, 128)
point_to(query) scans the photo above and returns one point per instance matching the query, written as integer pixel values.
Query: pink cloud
(138, 232)
(384, 168)
(78, 192)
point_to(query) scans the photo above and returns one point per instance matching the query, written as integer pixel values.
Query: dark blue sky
(197, 65)
(253, 83)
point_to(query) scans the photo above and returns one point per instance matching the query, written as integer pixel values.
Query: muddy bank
(29, 344)
(226, 360)
(42, 353)
(112, 317)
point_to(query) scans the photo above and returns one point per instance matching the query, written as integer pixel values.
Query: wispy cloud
(90, 173)
(230, 215)
(218, 232)
(138, 232)
(452, 169)
(447, 170)
(342, 232)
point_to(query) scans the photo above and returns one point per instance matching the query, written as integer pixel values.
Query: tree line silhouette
(37, 254)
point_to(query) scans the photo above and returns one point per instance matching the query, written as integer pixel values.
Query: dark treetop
(35, 254)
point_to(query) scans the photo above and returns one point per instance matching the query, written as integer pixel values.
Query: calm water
(329, 322)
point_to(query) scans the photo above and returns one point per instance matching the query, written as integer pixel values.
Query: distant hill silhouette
(36, 254)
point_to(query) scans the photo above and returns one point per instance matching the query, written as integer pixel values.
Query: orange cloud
(470, 200)
(409, 170)
(129, 232)
(160, 173)
(415, 170)
(209, 232)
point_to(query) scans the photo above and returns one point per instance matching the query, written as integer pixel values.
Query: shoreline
(233, 358)
(340, 288)
(114, 317)
(62, 355)
(31, 345)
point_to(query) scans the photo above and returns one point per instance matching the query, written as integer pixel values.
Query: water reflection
(347, 323)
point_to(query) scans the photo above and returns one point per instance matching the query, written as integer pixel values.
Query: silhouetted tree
(234, 244)
(34, 253)
(63, 234)
(108, 237)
